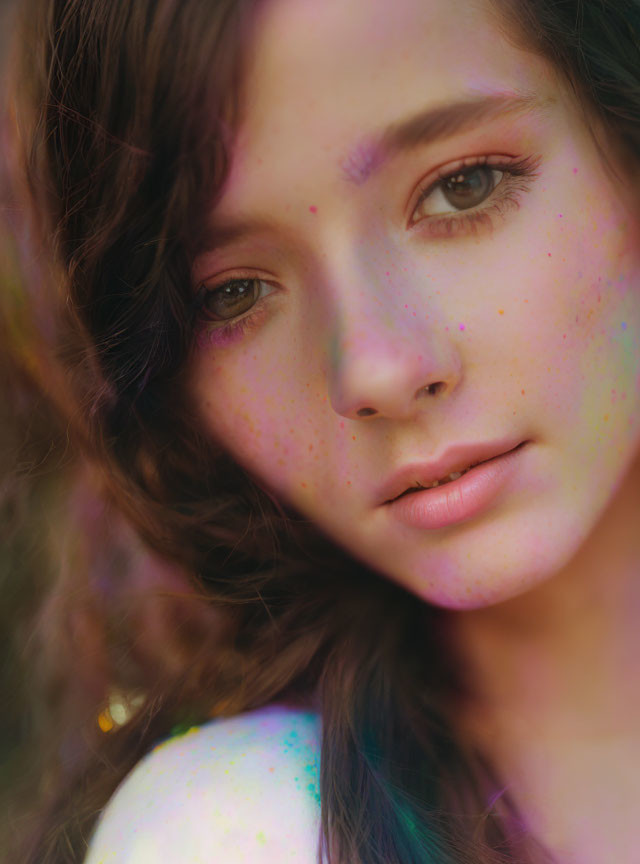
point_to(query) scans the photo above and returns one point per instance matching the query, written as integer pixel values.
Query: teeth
(453, 476)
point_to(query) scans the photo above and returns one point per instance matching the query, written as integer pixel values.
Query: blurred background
(89, 618)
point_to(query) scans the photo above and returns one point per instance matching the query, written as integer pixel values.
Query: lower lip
(459, 499)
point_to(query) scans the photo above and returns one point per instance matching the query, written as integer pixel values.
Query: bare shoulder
(240, 789)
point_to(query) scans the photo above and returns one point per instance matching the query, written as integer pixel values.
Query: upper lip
(455, 458)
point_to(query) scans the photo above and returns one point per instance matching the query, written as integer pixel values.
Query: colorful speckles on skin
(360, 163)
(313, 209)
(291, 740)
(312, 772)
(219, 793)
(338, 336)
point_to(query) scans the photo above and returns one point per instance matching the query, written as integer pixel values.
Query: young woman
(349, 304)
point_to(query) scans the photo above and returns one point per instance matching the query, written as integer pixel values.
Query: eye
(231, 299)
(469, 195)
(466, 188)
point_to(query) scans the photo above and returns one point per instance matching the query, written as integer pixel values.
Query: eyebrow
(431, 125)
(426, 127)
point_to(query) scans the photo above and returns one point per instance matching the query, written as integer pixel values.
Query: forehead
(322, 78)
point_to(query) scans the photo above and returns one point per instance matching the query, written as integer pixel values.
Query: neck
(553, 701)
(560, 659)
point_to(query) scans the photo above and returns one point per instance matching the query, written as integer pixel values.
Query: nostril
(366, 412)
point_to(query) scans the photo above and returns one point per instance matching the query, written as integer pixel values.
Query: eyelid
(205, 288)
(430, 182)
(210, 283)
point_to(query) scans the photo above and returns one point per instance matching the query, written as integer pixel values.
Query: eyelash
(518, 177)
(221, 334)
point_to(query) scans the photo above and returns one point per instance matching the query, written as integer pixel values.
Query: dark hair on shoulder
(124, 116)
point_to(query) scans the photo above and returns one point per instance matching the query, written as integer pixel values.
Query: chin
(448, 583)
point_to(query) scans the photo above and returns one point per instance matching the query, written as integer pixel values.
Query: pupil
(469, 189)
(232, 299)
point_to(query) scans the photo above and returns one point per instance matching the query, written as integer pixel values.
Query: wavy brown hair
(125, 115)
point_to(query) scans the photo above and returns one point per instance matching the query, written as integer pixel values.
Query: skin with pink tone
(218, 793)
(364, 311)
(526, 320)
(528, 326)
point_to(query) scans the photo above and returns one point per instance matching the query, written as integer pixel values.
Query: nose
(389, 358)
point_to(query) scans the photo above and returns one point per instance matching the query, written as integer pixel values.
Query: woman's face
(439, 258)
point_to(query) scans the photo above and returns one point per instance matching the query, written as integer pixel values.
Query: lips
(456, 459)
(453, 475)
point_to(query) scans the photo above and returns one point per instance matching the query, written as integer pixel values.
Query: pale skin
(530, 328)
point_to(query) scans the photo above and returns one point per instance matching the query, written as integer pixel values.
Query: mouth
(453, 475)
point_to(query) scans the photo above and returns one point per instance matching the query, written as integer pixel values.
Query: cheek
(270, 412)
(583, 288)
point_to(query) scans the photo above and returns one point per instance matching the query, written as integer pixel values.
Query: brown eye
(230, 299)
(469, 188)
